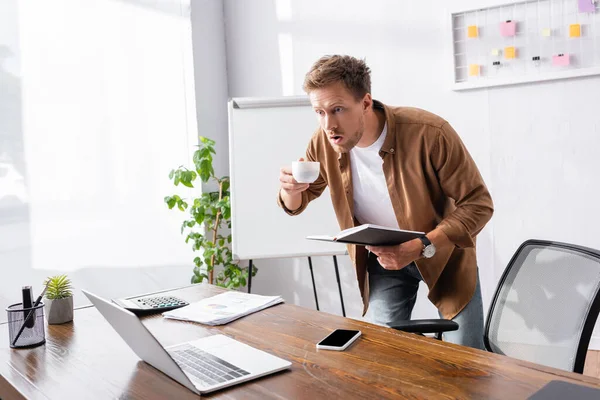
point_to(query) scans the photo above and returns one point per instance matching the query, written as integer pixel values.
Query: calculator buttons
(160, 302)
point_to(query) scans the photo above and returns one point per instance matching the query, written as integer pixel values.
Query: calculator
(148, 304)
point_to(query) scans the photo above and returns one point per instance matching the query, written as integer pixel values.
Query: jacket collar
(389, 144)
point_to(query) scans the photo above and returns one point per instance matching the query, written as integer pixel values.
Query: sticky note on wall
(561, 60)
(586, 6)
(473, 70)
(508, 28)
(496, 52)
(546, 32)
(510, 52)
(574, 30)
(472, 31)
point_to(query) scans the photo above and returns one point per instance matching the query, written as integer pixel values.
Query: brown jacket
(432, 181)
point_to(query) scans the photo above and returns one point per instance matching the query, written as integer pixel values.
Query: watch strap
(426, 242)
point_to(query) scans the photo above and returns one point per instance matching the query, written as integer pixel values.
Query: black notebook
(555, 390)
(373, 235)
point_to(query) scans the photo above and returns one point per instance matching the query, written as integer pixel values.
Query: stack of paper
(223, 308)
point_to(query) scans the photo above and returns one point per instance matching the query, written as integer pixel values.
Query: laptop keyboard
(209, 369)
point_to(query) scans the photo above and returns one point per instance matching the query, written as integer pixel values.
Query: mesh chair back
(546, 305)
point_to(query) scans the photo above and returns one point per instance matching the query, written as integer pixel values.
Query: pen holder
(30, 337)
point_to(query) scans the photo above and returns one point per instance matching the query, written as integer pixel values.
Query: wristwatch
(428, 247)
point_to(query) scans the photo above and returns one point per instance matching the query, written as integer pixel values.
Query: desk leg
(337, 276)
(312, 275)
(249, 276)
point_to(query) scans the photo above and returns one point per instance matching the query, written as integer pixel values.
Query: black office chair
(545, 306)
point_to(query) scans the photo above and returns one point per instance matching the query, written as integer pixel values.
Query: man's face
(340, 115)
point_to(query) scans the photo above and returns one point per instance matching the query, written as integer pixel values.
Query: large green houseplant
(207, 217)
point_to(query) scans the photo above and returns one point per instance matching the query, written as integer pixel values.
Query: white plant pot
(59, 311)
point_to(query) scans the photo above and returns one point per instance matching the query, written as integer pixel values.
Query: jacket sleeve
(316, 188)
(461, 181)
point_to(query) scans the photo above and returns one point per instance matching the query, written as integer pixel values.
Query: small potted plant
(59, 300)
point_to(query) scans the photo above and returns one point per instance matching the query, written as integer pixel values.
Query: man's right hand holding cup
(291, 190)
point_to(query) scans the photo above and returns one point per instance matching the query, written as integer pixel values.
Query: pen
(37, 302)
(27, 303)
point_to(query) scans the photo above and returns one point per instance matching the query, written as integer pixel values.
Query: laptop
(560, 390)
(202, 365)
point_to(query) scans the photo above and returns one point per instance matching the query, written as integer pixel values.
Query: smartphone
(338, 340)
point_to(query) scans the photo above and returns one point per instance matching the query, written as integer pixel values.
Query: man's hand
(399, 256)
(288, 183)
(291, 190)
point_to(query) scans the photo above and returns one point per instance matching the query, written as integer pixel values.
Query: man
(403, 168)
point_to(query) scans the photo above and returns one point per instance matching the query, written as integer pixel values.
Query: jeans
(393, 295)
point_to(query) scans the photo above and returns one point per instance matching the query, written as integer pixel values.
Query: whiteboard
(264, 135)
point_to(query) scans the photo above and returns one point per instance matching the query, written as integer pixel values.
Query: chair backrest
(546, 304)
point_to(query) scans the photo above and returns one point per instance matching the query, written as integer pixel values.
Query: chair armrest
(425, 325)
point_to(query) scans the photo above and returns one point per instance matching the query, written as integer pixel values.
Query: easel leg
(337, 276)
(312, 275)
(250, 276)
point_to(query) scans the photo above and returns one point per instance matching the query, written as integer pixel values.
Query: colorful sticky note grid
(508, 28)
(472, 31)
(587, 6)
(473, 70)
(510, 52)
(574, 30)
(561, 60)
(496, 52)
(546, 32)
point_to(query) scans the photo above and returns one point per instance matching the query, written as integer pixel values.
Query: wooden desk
(86, 359)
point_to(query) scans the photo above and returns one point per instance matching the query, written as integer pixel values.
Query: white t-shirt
(372, 204)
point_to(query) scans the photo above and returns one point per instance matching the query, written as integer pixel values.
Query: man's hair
(352, 72)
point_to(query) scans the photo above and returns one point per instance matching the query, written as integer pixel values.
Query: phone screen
(338, 338)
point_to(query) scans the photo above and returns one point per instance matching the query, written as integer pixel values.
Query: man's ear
(367, 102)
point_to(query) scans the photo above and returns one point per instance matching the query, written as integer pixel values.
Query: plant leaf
(225, 186)
(208, 142)
(59, 287)
(170, 202)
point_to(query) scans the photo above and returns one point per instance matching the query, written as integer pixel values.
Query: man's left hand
(399, 256)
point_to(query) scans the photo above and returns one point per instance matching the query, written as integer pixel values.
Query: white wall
(210, 72)
(96, 106)
(521, 137)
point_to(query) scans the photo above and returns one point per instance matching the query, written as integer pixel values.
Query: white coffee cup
(306, 171)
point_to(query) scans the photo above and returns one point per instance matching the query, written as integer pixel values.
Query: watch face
(429, 251)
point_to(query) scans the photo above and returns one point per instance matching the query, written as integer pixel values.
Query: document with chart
(223, 308)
